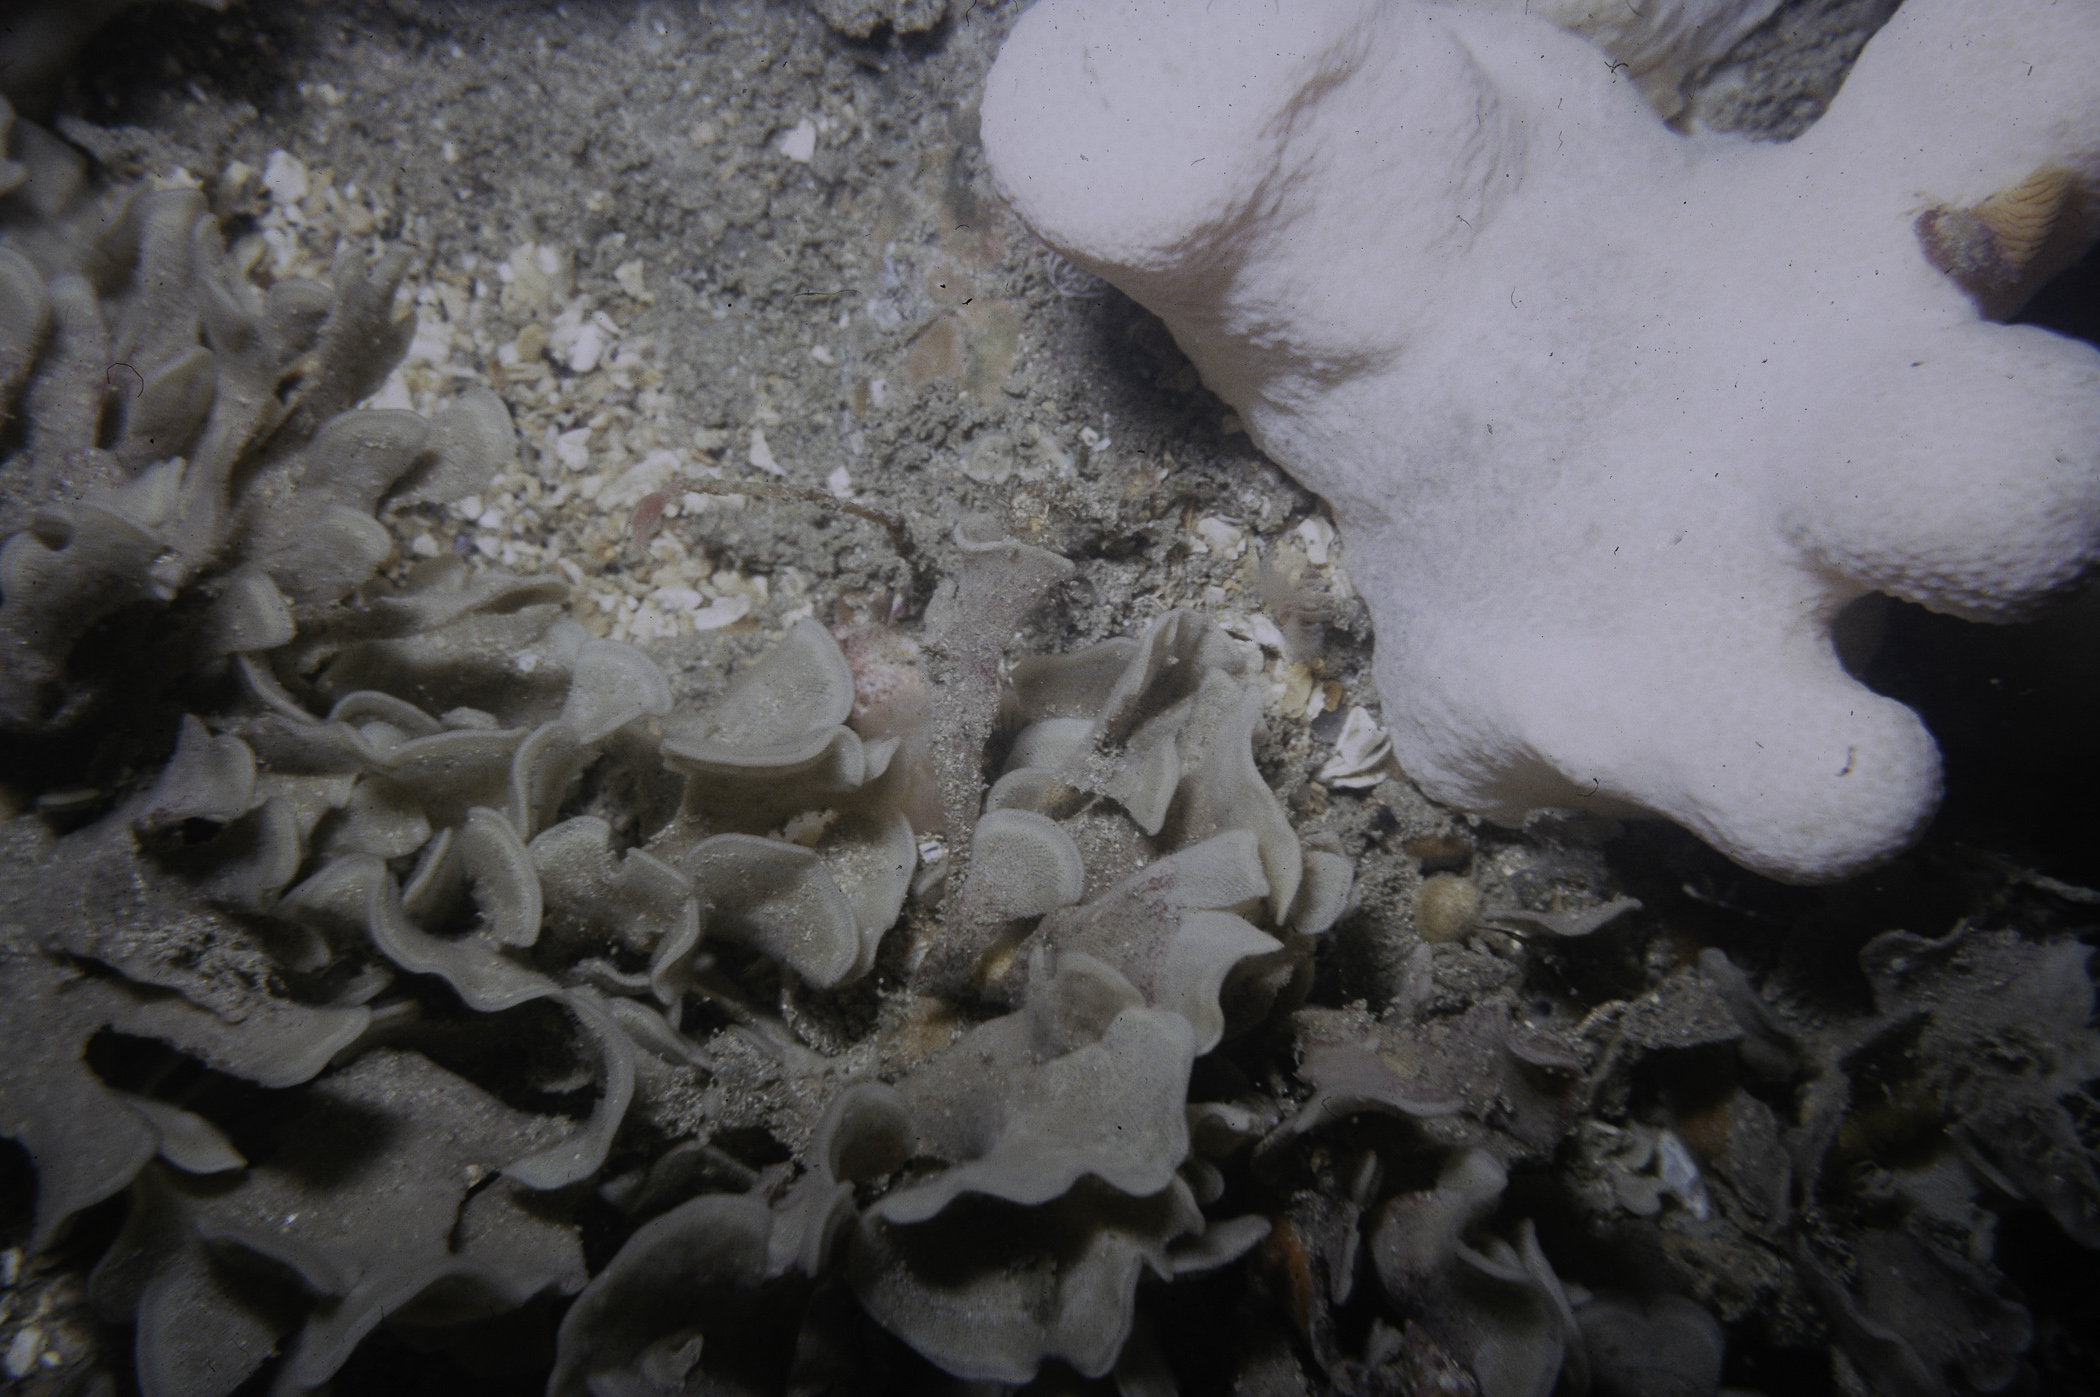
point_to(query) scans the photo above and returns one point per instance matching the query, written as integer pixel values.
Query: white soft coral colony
(1615, 420)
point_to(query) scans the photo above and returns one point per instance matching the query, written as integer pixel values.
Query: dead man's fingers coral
(1615, 420)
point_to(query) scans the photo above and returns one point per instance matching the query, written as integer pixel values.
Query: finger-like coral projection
(1662, 46)
(1616, 421)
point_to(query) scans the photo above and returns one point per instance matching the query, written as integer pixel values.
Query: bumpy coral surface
(1615, 421)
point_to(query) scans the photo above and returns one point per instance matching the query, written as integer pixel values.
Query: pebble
(761, 453)
(284, 177)
(1361, 753)
(799, 142)
(573, 448)
(1680, 1174)
(722, 611)
(1445, 907)
(22, 1353)
(588, 348)
(1220, 537)
(1318, 536)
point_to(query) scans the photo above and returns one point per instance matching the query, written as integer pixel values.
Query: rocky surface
(731, 270)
